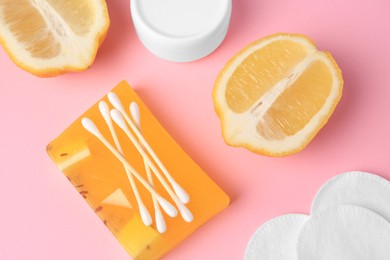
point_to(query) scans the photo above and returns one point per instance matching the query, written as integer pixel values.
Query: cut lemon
(276, 94)
(51, 37)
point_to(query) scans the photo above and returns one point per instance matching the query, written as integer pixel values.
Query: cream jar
(181, 30)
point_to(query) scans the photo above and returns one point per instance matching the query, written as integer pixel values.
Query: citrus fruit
(275, 94)
(51, 37)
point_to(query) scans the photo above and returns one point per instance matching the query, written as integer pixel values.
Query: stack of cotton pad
(349, 219)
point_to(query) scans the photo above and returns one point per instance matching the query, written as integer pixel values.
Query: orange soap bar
(101, 180)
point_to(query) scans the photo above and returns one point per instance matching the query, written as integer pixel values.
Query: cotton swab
(160, 221)
(117, 117)
(90, 126)
(135, 114)
(181, 193)
(145, 215)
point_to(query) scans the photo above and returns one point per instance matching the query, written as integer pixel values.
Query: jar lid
(181, 30)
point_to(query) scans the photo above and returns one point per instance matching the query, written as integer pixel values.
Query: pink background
(41, 215)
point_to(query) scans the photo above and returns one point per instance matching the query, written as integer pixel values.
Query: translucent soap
(101, 180)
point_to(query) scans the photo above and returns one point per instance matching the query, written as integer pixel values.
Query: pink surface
(42, 217)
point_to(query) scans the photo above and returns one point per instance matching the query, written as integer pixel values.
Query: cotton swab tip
(185, 213)
(167, 207)
(118, 118)
(114, 100)
(145, 216)
(160, 222)
(90, 126)
(105, 111)
(180, 192)
(135, 114)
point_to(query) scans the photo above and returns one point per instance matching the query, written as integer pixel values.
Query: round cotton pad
(355, 188)
(344, 232)
(276, 239)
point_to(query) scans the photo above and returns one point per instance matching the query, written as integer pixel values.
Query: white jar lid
(181, 30)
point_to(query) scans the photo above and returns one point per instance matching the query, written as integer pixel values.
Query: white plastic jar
(181, 30)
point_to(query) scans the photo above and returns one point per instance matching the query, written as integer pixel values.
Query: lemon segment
(276, 94)
(48, 38)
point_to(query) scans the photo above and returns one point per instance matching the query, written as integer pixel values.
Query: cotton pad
(276, 239)
(355, 188)
(344, 232)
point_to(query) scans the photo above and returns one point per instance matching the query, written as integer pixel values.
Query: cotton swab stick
(145, 215)
(160, 221)
(118, 119)
(181, 193)
(90, 126)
